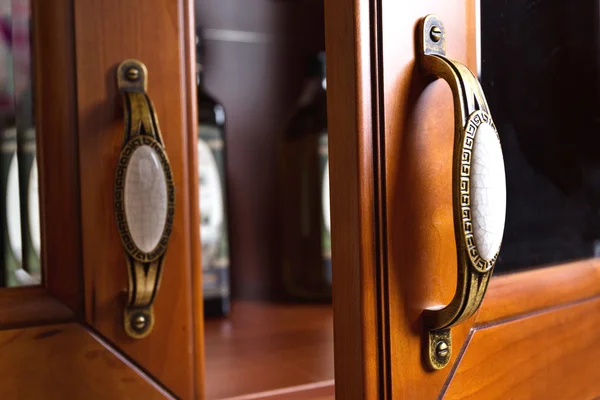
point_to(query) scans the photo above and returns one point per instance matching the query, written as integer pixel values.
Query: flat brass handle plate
(478, 190)
(144, 198)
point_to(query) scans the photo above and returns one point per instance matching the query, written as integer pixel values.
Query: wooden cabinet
(65, 338)
(394, 246)
(391, 141)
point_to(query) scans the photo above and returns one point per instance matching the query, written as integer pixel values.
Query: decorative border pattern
(119, 199)
(475, 120)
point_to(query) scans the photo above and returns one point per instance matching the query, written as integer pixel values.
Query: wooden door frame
(66, 292)
(356, 130)
(60, 297)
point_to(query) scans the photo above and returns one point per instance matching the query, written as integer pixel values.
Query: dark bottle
(304, 192)
(213, 201)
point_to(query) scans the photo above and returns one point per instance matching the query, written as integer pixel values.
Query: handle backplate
(144, 198)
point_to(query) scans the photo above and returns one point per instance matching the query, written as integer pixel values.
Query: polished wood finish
(193, 179)
(56, 135)
(66, 362)
(158, 34)
(317, 391)
(352, 171)
(549, 355)
(511, 295)
(394, 249)
(265, 347)
(256, 56)
(32, 305)
(418, 139)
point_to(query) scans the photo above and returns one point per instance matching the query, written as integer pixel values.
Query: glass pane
(20, 233)
(540, 76)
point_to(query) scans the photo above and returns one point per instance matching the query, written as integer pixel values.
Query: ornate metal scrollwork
(479, 190)
(144, 198)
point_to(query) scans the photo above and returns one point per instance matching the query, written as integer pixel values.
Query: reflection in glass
(540, 76)
(19, 204)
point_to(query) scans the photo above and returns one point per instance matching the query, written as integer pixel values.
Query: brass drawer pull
(478, 190)
(144, 198)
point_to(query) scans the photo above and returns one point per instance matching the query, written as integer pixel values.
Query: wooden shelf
(270, 347)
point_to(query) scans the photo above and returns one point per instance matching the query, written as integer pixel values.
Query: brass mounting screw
(139, 322)
(441, 349)
(133, 74)
(435, 34)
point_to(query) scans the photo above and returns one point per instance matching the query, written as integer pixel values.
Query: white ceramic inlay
(145, 198)
(212, 210)
(488, 191)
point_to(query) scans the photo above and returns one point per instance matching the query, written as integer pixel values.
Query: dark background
(540, 76)
(254, 64)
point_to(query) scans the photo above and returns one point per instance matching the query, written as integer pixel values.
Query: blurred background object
(21, 240)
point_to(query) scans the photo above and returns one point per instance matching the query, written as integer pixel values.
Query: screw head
(139, 322)
(435, 33)
(133, 74)
(442, 350)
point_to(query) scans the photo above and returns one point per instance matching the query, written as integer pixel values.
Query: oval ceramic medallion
(482, 171)
(145, 198)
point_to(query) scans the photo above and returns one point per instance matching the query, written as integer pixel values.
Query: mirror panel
(19, 197)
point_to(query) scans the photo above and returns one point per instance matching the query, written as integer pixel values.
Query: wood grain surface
(317, 391)
(418, 140)
(188, 33)
(509, 296)
(57, 150)
(267, 346)
(65, 362)
(550, 355)
(352, 173)
(31, 305)
(154, 32)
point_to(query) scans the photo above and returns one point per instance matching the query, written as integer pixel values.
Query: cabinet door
(396, 242)
(67, 337)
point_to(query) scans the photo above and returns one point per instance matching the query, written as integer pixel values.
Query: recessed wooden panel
(66, 362)
(552, 355)
(509, 296)
(154, 32)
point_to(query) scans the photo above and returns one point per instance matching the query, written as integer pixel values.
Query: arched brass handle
(144, 198)
(478, 190)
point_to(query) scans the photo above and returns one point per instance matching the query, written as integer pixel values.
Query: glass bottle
(304, 192)
(213, 201)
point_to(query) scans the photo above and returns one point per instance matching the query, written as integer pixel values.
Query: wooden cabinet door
(394, 246)
(66, 337)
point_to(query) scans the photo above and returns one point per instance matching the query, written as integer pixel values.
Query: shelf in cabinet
(270, 348)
